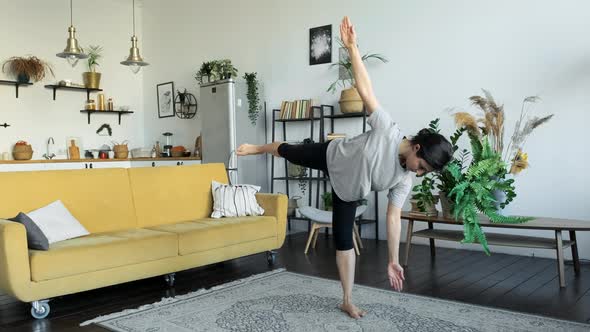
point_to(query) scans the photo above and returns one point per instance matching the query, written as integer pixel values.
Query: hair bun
(424, 131)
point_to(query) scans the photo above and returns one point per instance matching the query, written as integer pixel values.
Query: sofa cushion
(168, 195)
(57, 223)
(206, 234)
(35, 237)
(101, 251)
(235, 200)
(99, 198)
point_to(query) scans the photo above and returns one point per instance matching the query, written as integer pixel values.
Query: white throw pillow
(235, 201)
(57, 223)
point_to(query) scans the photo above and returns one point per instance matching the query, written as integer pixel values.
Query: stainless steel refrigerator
(225, 125)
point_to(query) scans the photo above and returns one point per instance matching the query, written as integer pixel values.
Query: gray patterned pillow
(35, 237)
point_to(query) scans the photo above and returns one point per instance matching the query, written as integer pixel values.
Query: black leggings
(313, 155)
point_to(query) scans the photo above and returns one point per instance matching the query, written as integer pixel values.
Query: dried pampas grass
(467, 121)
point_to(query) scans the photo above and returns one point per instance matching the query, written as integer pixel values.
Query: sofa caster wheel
(271, 257)
(40, 309)
(170, 279)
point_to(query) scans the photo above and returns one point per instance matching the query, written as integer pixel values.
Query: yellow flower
(519, 162)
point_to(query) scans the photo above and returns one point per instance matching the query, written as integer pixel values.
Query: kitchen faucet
(49, 154)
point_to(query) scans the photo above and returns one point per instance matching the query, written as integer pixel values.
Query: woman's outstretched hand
(347, 33)
(396, 276)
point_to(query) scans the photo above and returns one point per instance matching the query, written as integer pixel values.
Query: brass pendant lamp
(134, 60)
(73, 52)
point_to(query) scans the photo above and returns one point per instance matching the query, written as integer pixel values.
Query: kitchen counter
(48, 161)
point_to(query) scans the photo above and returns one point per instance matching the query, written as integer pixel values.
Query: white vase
(500, 197)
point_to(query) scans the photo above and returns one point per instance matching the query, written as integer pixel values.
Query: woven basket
(121, 154)
(350, 101)
(22, 148)
(121, 151)
(120, 148)
(23, 155)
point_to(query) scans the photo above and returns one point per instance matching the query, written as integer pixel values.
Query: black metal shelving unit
(15, 83)
(332, 117)
(74, 88)
(310, 178)
(326, 112)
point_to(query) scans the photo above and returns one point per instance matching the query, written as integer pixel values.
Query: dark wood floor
(517, 283)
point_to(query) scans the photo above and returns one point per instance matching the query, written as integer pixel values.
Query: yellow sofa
(144, 222)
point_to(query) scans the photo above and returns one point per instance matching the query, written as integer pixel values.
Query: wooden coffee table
(557, 225)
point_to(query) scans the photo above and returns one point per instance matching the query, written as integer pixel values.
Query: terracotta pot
(91, 80)
(350, 101)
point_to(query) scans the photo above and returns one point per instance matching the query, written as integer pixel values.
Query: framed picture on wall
(165, 93)
(320, 45)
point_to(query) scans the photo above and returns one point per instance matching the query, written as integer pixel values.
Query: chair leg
(356, 246)
(315, 237)
(358, 236)
(560, 267)
(575, 256)
(309, 238)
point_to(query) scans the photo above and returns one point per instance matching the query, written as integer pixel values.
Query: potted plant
(444, 180)
(423, 200)
(227, 70)
(204, 73)
(297, 171)
(474, 190)
(24, 69)
(252, 95)
(492, 126)
(91, 77)
(350, 100)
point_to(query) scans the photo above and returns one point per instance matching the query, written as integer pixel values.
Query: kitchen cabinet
(48, 165)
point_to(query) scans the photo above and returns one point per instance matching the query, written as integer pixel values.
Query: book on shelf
(332, 136)
(298, 109)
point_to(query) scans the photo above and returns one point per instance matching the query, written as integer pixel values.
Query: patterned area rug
(285, 301)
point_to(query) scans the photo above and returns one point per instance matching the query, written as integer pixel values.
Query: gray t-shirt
(369, 162)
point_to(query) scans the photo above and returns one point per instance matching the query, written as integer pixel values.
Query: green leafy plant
(327, 199)
(252, 95)
(94, 54)
(473, 190)
(423, 193)
(226, 69)
(216, 70)
(346, 64)
(205, 70)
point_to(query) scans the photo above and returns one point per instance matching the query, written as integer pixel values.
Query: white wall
(440, 54)
(37, 27)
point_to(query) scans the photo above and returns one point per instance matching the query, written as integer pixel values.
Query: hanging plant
(253, 98)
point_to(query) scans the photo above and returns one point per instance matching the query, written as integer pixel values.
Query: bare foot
(352, 310)
(247, 149)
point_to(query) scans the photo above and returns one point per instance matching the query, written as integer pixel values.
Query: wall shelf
(346, 115)
(105, 112)
(75, 88)
(16, 84)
